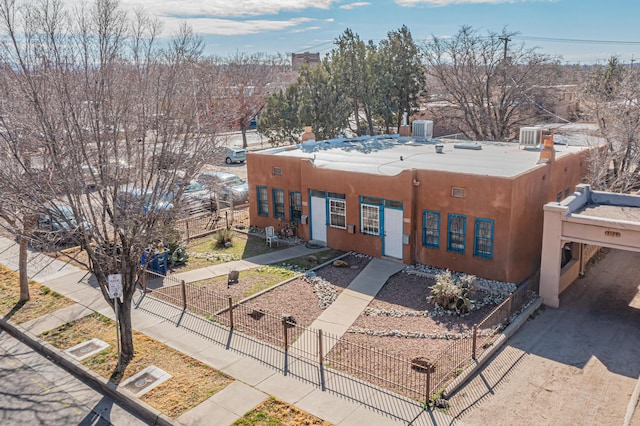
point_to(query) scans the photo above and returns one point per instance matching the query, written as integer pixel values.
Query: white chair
(271, 236)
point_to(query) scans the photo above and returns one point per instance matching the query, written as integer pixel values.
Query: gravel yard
(405, 294)
(297, 298)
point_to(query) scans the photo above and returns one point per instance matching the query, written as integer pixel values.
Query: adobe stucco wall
(485, 197)
(533, 190)
(514, 204)
(301, 175)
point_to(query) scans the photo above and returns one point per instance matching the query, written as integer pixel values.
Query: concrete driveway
(576, 365)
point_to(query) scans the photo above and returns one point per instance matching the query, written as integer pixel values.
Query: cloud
(211, 26)
(302, 30)
(354, 5)
(223, 8)
(409, 3)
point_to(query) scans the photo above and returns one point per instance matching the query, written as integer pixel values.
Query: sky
(579, 31)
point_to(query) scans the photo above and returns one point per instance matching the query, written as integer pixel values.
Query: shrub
(222, 237)
(453, 293)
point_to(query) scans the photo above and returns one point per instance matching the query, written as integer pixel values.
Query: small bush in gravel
(453, 294)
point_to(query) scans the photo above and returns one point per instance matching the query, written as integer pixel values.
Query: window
(263, 201)
(457, 233)
(278, 203)
(277, 171)
(370, 219)
(483, 246)
(337, 213)
(559, 196)
(431, 229)
(295, 206)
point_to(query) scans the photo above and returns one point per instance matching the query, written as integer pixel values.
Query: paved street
(35, 391)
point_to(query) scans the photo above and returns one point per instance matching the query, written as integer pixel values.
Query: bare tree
(612, 96)
(489, 85)
(249, 79)
(100, 129)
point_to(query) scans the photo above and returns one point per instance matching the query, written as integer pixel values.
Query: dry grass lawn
(43, 301)
(192, 381)
(274, 412)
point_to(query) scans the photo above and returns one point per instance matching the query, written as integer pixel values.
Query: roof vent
(530, 137)
(468, 145)
(422, 129)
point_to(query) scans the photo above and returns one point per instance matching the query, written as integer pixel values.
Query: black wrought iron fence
(418, 379)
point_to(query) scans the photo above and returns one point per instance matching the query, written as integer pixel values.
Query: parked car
(57, 224)
(196, 196)
(226, 185)
(133, 200)
(235, 155)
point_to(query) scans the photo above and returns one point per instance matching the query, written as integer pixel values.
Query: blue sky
(286, 26)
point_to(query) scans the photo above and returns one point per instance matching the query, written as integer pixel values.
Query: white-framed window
(370, 219)
(337, 213)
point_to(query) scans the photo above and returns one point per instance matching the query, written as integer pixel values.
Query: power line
(575, 40)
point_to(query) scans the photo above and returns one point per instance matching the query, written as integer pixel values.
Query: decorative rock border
(492, 287)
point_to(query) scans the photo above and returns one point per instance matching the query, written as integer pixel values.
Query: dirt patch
(297, 298)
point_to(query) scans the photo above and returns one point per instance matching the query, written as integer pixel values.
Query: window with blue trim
(295, 206)
(337, 213)
(263, 201)
(370, 219)
(278, 203)
(431, 229)
(483, 245)
(457, 233)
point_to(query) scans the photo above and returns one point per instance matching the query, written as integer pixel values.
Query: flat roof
(390, 155)
(631, 214)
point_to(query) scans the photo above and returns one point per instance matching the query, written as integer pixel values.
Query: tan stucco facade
(588, 219)
(514, 204)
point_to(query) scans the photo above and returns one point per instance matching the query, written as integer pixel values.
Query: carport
(576, 227)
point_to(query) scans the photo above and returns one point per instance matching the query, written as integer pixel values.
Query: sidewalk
(245, 264)
(257, 368)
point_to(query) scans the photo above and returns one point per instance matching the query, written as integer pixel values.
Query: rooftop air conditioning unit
(530, 136)
(422, 129)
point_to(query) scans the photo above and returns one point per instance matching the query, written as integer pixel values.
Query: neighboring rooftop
(628, 213)
(390, 155)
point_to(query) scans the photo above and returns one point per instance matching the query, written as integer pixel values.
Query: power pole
(505, 40)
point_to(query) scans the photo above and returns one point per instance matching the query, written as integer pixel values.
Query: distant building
(474, 207)
(298, 59)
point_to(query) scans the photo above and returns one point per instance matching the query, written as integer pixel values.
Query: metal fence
(418, 379)
(204, 223)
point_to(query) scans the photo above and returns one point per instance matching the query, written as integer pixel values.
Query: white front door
(393, 233)
(319, 219)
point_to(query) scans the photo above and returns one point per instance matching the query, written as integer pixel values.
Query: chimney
(404, 130)
(548, 152)
(308, 134)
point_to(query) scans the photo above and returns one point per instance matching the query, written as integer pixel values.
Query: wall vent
(530, 136)
(422, 129)
(277, 171)
(457, 192)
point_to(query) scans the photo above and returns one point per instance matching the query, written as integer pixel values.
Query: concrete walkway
(244, 264)
(259, 370)
(348, 306)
